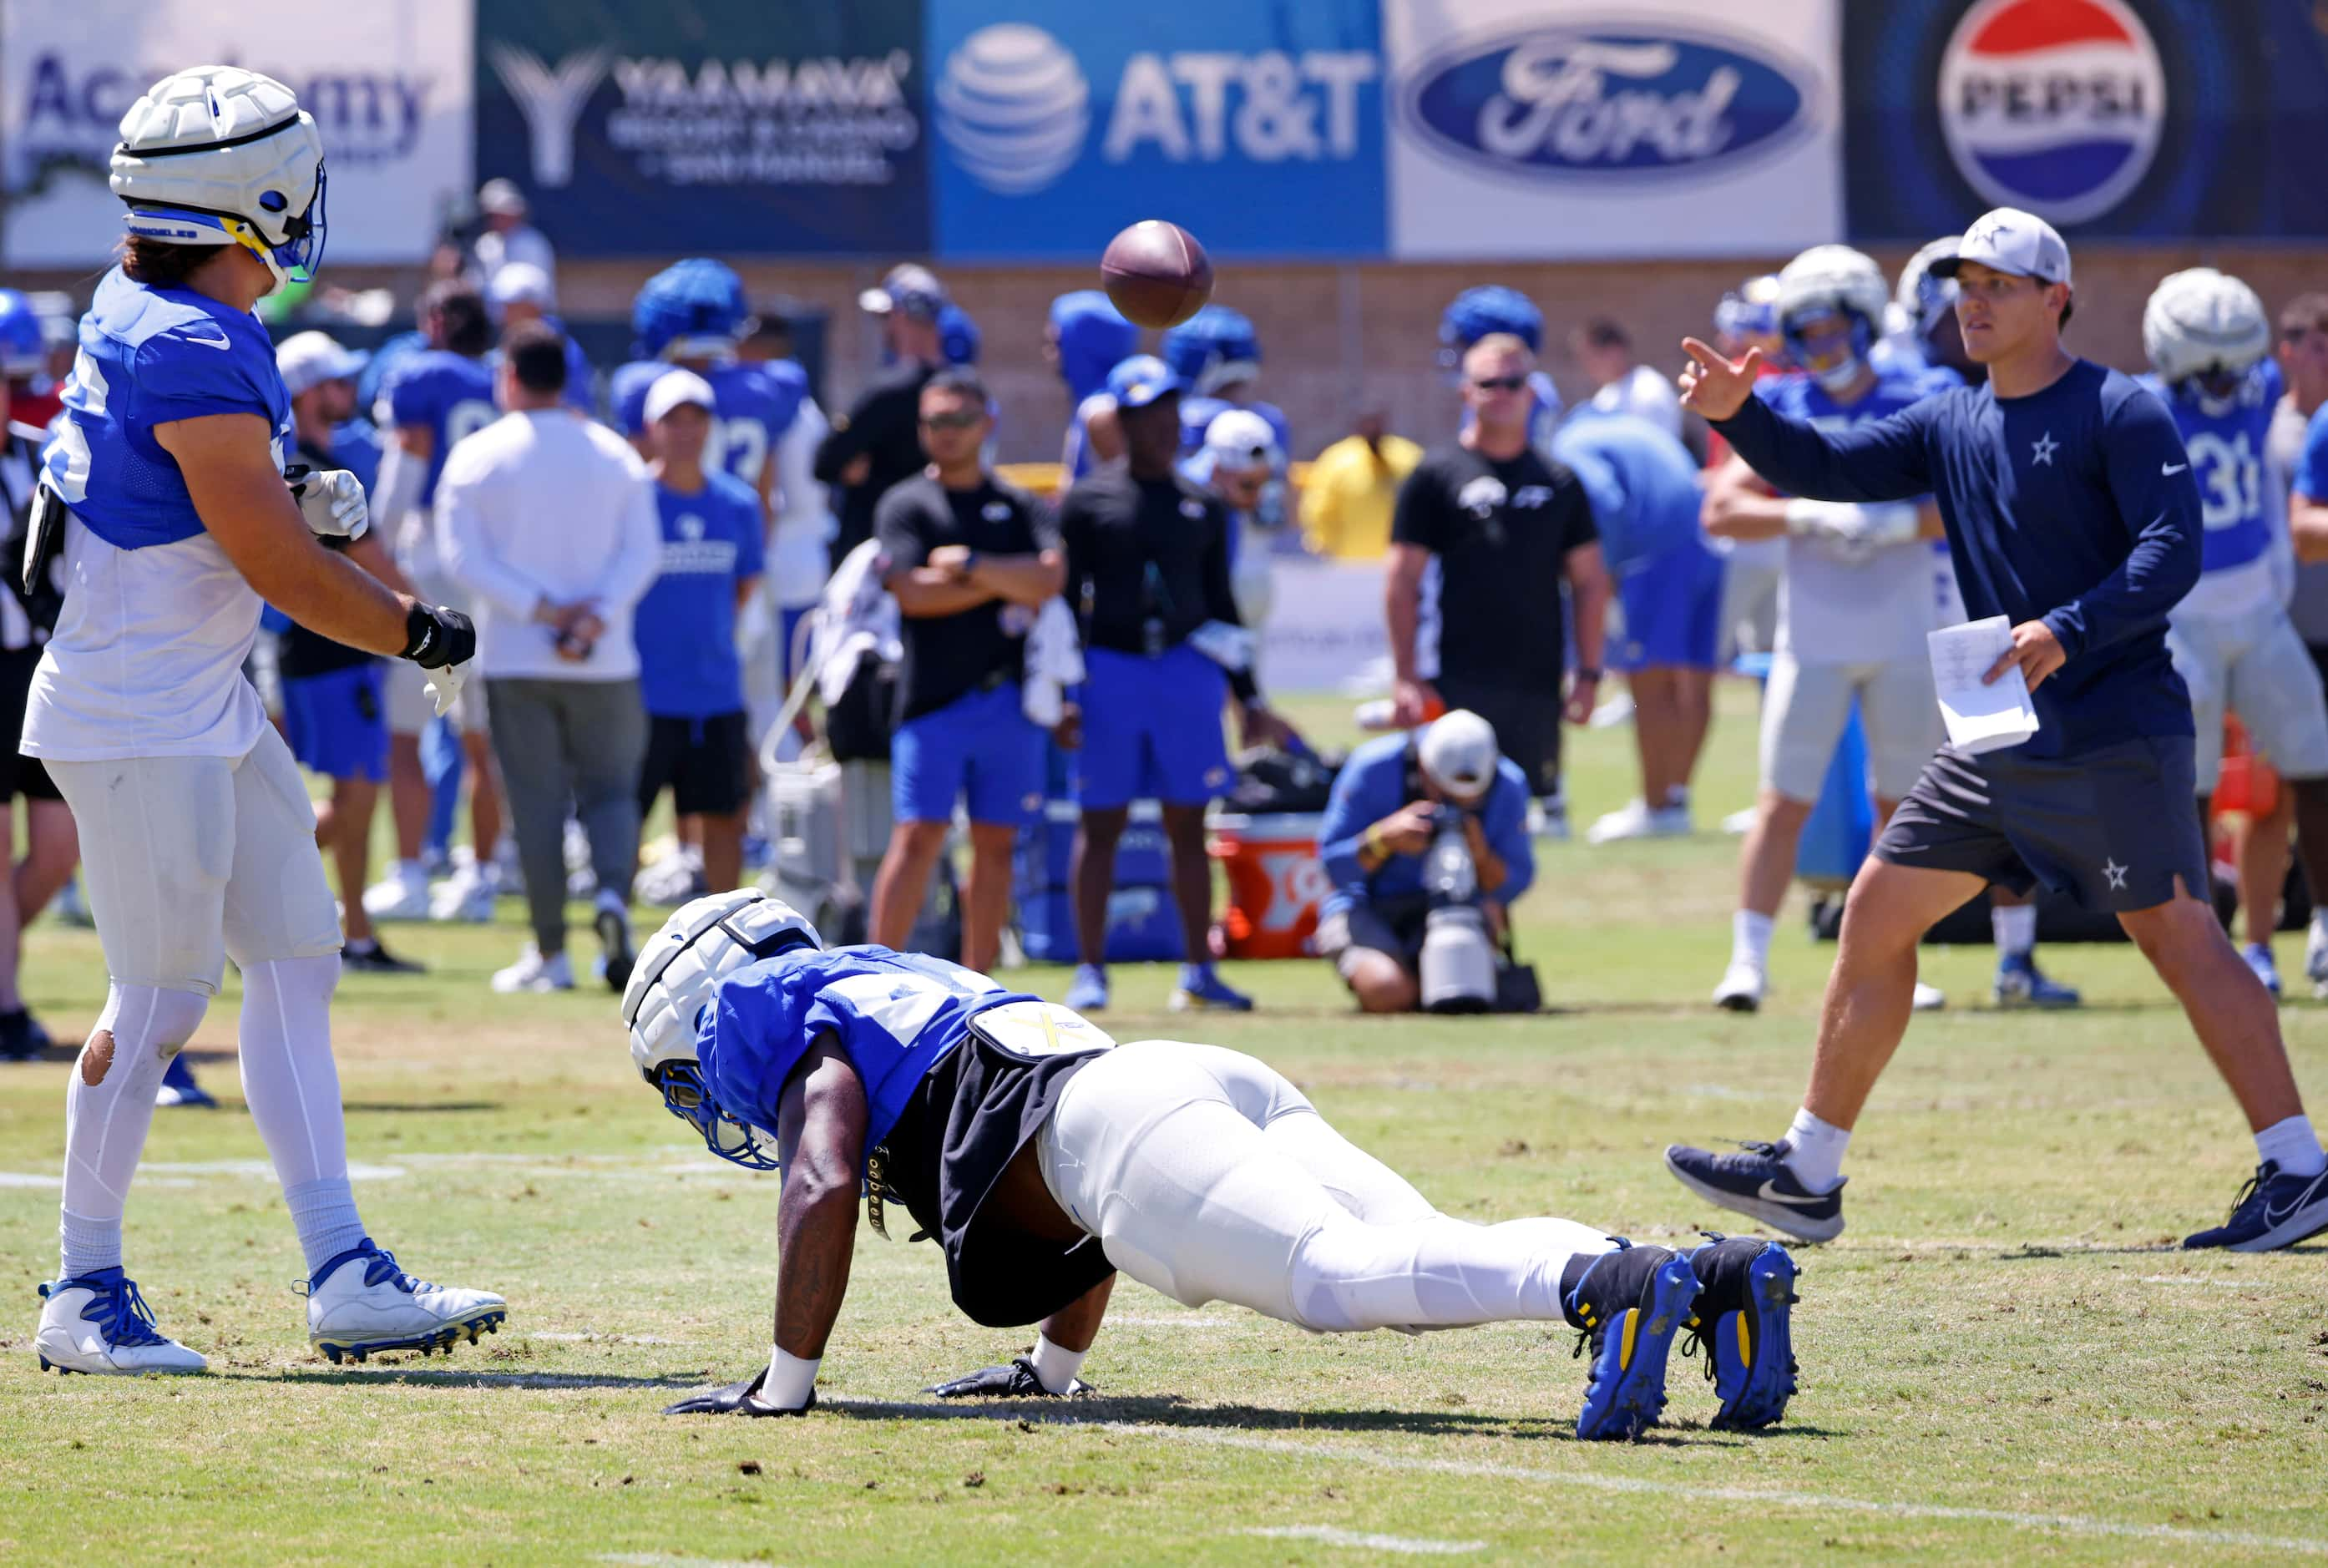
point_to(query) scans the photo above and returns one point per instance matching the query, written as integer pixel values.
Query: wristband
(790, 1380)
(1372, 843)
(1055, 1366)
(1588, 672)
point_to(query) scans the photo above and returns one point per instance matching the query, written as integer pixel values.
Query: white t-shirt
(800, 542)
(1645, 394)
(146, 658)
(1833, 613)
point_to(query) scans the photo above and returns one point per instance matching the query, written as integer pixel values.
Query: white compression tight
(1208, 1177)
(109, 1106)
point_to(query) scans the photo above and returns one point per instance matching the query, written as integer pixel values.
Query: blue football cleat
(1627, 1307)
(98, 1322)
(1743, 1316)
(1202, 991)
(179, 1088)
(2260, 964)
(1087, 992)
(2272, 1211)
(1756, 1181)
(2020, 983)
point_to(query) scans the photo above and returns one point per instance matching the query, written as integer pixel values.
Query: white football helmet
(1832, 278)
(1921, 298)
(220, 155)
(675, 975)
(2204, 324)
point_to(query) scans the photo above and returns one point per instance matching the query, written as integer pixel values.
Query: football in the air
(1157, 274)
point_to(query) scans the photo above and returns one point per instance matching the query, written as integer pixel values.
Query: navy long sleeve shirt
(2074, 505)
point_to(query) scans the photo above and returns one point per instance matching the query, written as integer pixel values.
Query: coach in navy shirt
(2071, 511)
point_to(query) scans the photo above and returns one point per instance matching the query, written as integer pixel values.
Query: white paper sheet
(1980, 718)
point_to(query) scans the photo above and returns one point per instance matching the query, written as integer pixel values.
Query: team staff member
(971, 560)
(689, 675)
(1148, 564)
(1505, 528)
(2303, 359)
(2070, 508)
(51, 847)
(878, 441)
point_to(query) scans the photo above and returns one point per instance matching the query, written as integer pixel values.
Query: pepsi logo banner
(2134, 118)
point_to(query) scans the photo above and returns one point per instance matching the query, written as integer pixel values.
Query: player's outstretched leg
(360, 1302)
(1743, 1318)
(98, 1322)
(1629, 1304)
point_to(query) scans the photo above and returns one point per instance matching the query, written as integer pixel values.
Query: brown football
(1157, 274)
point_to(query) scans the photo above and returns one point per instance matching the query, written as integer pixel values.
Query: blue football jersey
(2226, 444)
(149, 356)
(450, 395)
(751, 407)
(355, 447)
(1643, 484)
(1800, 397)
(897, 1014)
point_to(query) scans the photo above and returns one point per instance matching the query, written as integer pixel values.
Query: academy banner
(388, 85)
(737, 127)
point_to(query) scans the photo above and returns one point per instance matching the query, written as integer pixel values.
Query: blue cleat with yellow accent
(1627, 1305)
(1744, 1319)
(1202, 991)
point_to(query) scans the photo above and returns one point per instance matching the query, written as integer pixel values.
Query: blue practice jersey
(897, 1014)
(2075, 505)
(685, 626)
(1800, 397)
(751, 407)
(450, 396)
(1642, 482)
(355, 447)
(149, 356)
(2226, 443)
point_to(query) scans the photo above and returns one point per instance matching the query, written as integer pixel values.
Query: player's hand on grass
(736, 1399)
(1717, 386)
(1014, 1380)
(2035, 649)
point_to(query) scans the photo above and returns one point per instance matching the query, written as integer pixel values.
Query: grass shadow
(447, 1377)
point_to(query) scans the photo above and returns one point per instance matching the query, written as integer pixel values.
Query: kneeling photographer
(1425, 841)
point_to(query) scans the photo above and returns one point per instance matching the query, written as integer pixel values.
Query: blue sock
(1193, 975)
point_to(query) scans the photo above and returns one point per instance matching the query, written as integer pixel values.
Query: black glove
(1014, 1380)
(435, 638)
(735, 1399)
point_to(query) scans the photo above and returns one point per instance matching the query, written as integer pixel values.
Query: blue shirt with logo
(2226, 443)
(1376, 782)
(149, 356)
(2075, 505)
(450, 395)
(1642, 481)
(685, 626)
(752, 408)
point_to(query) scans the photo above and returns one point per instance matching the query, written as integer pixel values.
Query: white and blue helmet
(220, 155)
(2206, 326)
(1830, 279)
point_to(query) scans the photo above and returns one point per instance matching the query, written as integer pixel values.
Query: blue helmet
(1476, 313)
(1092, 338)
(23, 345)
(1200, 347)
(958, 336)
(692, 309)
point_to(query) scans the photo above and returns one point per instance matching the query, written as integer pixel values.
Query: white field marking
(1172, 1320)
(665, 1560)
(258, 1169)
(33, 1178)
(2202, 1280)
(1414, 1545)
(607, 1339)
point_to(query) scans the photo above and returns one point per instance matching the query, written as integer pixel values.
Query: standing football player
(196, 830)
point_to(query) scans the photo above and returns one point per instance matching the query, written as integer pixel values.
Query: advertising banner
(388, 85)
(1575, 128)
(1325, 630)
(1058, 122)
(735, 127)
(2162, 118)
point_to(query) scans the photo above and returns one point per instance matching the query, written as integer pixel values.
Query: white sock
(2292, 1145)
(324, 1212)
(1814, 1151)
(1054, 1365)
(106, 1122)
(1749, 938)
(2015, 926)
(293, 1088)
(790, 1381)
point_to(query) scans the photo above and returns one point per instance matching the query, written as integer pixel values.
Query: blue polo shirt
(1372, 785)
(685, 626)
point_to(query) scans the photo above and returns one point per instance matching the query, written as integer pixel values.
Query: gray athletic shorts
(1393, 927)
(2113, 827)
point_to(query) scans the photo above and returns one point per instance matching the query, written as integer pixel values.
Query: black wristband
(1587, 673)
(435, 638)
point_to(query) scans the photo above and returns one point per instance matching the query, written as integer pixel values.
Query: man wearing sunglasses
(970, 561)
(1486, 535)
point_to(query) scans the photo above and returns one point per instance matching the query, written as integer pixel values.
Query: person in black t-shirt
(878, 441)
(1148, 571)
(971, 560)
(1506, 529)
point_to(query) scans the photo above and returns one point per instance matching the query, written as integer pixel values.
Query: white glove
(332, 500)
(445, 685)
(1849, 533)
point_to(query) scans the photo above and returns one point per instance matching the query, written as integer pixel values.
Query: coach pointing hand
(1716, 385)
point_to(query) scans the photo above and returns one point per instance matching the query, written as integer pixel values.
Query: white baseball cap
(674, 388)
(307, 360)
(502, 196)
(521, 283)
(1458, 753)
(2014, 241)
(1240, 440)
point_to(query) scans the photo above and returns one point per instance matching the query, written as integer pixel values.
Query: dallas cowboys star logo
(1987, 233)
(2115, 873)
(2042, 449)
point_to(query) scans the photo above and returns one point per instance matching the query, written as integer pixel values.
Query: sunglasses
(962, 420)
(2295, 334)
(1499, 383)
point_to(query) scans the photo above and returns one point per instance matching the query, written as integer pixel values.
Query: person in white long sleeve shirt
(548, 520)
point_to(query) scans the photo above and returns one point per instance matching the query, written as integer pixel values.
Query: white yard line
(2202, 1280)
(1414, 1545)
(607, 1338)
(665, 1560)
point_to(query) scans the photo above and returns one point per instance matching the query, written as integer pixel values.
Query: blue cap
(1139, 380)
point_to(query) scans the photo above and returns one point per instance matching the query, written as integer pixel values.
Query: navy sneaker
(2272, 1211)
(1202, 991)
(179, 1088)
(1746, 1294)
(2020, 983)
(1627, 1305)
(1088, 992)
(1756, 1181)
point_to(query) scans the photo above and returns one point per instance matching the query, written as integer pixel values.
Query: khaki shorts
(2258, 668)
(1806, 707)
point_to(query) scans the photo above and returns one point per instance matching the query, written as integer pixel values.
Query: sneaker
(2315, 954)
(21, 1037)
(1627, 1307)
(1613, 712)
(1547, 819)
(2020, 983)
(531, 972)
(401, 895)
(1746, 1293)
(1738, 824)
(98, 1322)
(1929, 999)
(368, 957)
(1635, 819)
(2259, 958)
(360, 1302)
(1741, 988)
(672, 878)
(1087, 992)
(2272, 1211)
(71, 905)
(613, 925)
(1204, 992)
(468, 895)
(1756, 1181)
(179, 1088)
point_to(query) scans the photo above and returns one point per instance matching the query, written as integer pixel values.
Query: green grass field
(2003, 1359)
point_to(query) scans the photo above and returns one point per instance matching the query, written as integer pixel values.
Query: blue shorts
(1152, 729)
(337, 722)
(1673, 610)
(979, 744)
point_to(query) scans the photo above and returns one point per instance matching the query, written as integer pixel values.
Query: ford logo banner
(1618, 100)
